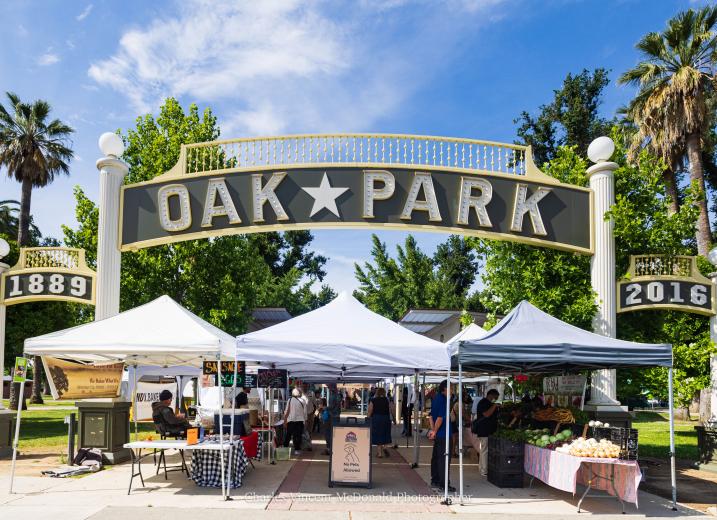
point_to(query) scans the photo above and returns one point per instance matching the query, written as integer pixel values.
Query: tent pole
(221, 423)
(447, 420)
(231, 429)
(414, 418)
(460, 430)
(134, 399)
(673, 471)
(16, 440)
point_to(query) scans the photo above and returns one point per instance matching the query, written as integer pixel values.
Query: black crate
(506, 479)
(505, 446)
(626, 438)
(505, 462)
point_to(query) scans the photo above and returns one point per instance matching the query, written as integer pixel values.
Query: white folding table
(136, 448)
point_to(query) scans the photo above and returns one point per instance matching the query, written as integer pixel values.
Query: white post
(712, 257)
(447, 420)
(17, 435)
(602, 266)
(460, 430)
(3, 267)
(112, 173)
(673, 470)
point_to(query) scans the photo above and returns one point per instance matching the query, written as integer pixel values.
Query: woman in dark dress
(380, 413)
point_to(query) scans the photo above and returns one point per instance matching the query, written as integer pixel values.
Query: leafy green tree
(555, 281)
(571, 119)
(33, 151)
(413, 279)
(676, 79)
(221, 279)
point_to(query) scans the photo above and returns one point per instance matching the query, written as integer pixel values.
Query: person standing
(333, 415)
(407, 404)
(294, 418)
(484, 425)
(380, 413)
(437, 433)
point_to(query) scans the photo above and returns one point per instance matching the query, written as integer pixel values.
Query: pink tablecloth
(564, 471)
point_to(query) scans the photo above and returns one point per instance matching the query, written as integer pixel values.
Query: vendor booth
(528, 340)
(161, 338)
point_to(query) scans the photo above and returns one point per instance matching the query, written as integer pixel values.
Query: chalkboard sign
(250, 381)
(272, 378)
(210, 368)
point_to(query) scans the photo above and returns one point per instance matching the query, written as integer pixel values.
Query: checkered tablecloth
(564, 471)
(207, 468)
(259, 450)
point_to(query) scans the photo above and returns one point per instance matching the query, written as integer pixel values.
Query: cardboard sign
(350, 462)
(564, 391)
(69, 380)
(148, 393)
(19, 375)
(272, 378)
(211, 368)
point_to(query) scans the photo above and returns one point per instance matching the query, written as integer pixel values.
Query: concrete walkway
(289, 489)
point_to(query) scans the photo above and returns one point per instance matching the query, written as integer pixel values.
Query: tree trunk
(23, 228)
(673, 198)
(694, 155)
(38, 374)
(15, 397)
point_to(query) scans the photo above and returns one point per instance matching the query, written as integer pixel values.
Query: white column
(3, 268)
(112, 173)
(713, 362)
(602, 267)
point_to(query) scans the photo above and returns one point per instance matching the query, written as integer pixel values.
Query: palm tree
(676, 79)
(9, 220)
(33, 150)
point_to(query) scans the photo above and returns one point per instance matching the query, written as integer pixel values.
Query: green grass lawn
(46, 429)
(654, 436)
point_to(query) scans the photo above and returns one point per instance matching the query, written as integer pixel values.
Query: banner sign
(210, 368)
(48, 274)
(660, 282)
(19, 375)
(350, 459)
(564, 391)
(70, 380)
(272, 378)
(148, 393)
(534, 209)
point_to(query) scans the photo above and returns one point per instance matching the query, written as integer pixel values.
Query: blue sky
(445, 67)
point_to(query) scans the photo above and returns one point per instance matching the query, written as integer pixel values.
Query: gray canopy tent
(530, 340)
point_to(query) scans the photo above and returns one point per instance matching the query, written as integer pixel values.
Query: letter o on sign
(185, 212)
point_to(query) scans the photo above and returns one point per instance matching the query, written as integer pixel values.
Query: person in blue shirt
(437, 434)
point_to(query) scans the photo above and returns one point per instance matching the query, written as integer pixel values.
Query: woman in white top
(294, 418)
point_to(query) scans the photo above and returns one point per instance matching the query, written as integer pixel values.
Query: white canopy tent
(471, 332)
(159, 333)
(342, 338)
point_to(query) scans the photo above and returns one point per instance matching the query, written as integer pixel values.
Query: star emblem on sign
(324, 196)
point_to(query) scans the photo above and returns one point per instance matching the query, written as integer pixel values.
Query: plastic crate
(283, 453)
(625, 438)
(505, 447)
(505, 462)
(506, 479)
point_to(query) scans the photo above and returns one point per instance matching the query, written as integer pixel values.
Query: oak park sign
(510, 201)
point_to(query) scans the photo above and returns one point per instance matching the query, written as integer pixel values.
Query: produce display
(544, 439)
(561, 415)
(581, 447)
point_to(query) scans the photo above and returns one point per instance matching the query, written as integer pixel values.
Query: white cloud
(85, 13)
(290, 65)
(48, 58)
